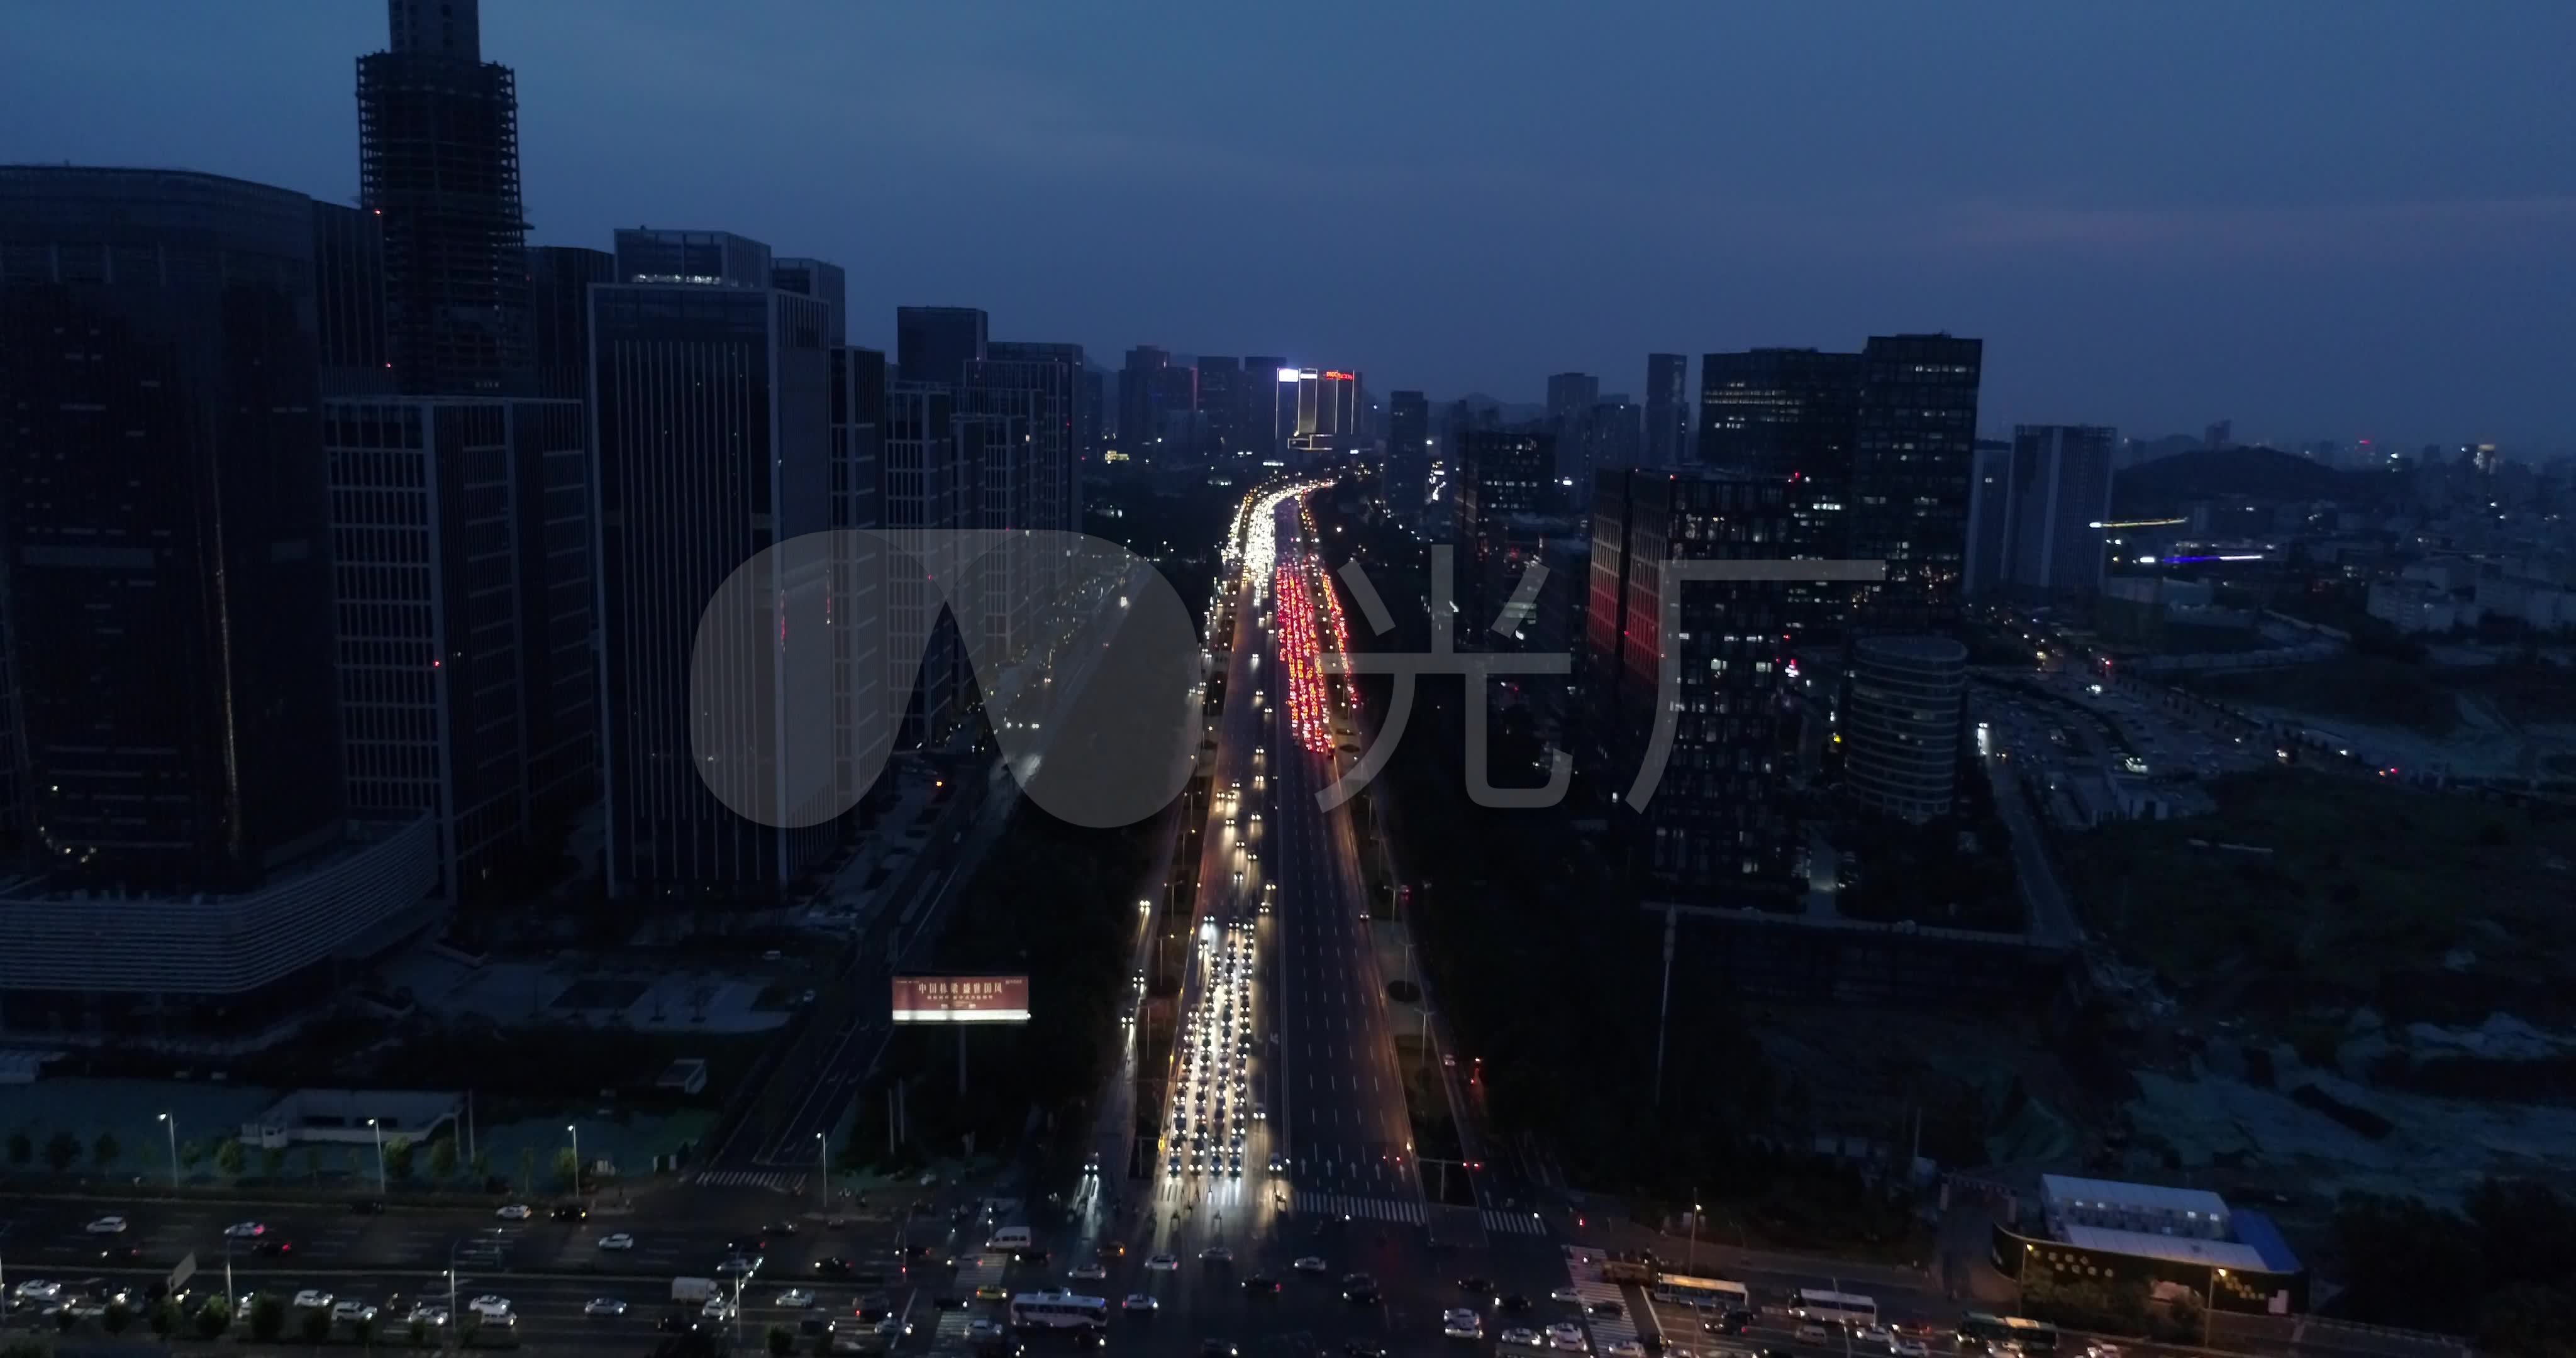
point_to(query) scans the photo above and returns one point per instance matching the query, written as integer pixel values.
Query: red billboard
(961, 999)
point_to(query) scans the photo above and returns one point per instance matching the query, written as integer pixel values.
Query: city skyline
(2330, 248)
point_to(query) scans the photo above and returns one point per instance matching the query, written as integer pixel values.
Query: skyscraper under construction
(438, 153)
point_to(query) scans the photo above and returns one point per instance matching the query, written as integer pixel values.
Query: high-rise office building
(1501, 474)
(1328, 414)
(438, 158)
(714, 442)
(1569, 395)
(1912, 459)
(1267, 411)
(1878, 448)
(349, 300)
(190, 859)
(1408, 455)
(1081, 423)
(2037, 527)
(1989, 517)
(1220, 408)
(1667, 440)
(449, 679)
(1157, 405)
(820, 279)
(1719, 823)
(1608, 436)
(1024, 471)
(862, 709)
(928, 492)
(559, 279)
(935, 343)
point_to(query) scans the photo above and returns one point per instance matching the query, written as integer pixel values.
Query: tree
(567, 1169)
(398, 1157)
(104, 1150)
(315, 1326)
(230, 1157)
(267, 1319)
(272, 1163)
(468, 1326)
(781, 1341)
(214, 1318)
(482, 1164)
(364, 1331)
(442, 1158)
(61, 1149)
(191, 1155)
(22, 1147)
(165, 1319)
(419, 1330)
(527, 1169)
(117, 1318)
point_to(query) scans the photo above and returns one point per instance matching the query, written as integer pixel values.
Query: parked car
(107, 1226)
(604, 1306)
(513, 1211)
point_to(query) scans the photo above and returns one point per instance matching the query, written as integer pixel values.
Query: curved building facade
(1901, 724)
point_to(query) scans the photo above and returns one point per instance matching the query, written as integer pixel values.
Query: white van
(1010, 1238)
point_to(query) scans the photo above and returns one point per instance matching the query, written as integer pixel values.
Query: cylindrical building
(1901, 724)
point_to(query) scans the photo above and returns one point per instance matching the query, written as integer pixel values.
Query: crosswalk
(980, 1270)
(1513, 1223)
(774, 1181)
(1359, 1208)
(1584, 1266)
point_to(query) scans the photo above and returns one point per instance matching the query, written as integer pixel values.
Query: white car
(1091, 1272)
(604, 1306)
(314, 1297)
(1138, 1301)
(37, 1289)
(1914, 1348)
(1568, 1337)
(1567, 1295)
(1462, 1324)
(107, 1226)
(428, 1314)
(516, 1211)
(1162, 1263)
(796, 1299)
(353, 1311)
(490, 1307)
(245, 1230)
(1625, 1348)
(619, 1241)
(1879, 1337)
(1311, 1264)
(1524, 1337)
(717, 1308)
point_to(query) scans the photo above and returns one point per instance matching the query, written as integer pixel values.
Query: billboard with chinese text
(961, 999)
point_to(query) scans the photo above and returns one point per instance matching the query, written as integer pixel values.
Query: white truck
(693, 1289)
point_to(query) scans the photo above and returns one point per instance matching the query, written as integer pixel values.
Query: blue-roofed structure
(2093, 1229)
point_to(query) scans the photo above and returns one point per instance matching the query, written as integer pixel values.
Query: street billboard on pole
(961, 999)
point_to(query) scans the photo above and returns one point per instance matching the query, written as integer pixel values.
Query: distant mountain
(2266, 474)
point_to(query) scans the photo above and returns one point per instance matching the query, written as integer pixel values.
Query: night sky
(2321, 219)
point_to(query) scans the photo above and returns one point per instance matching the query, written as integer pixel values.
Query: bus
(1704, 1294)
(1058, 1311)
(1835, 1308)
(1983, 1333)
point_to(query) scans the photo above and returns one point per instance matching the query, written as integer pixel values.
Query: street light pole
(171, 1125)
(1694, 1240)
(378, 1128)
(823, 1151)
(576, 1157)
